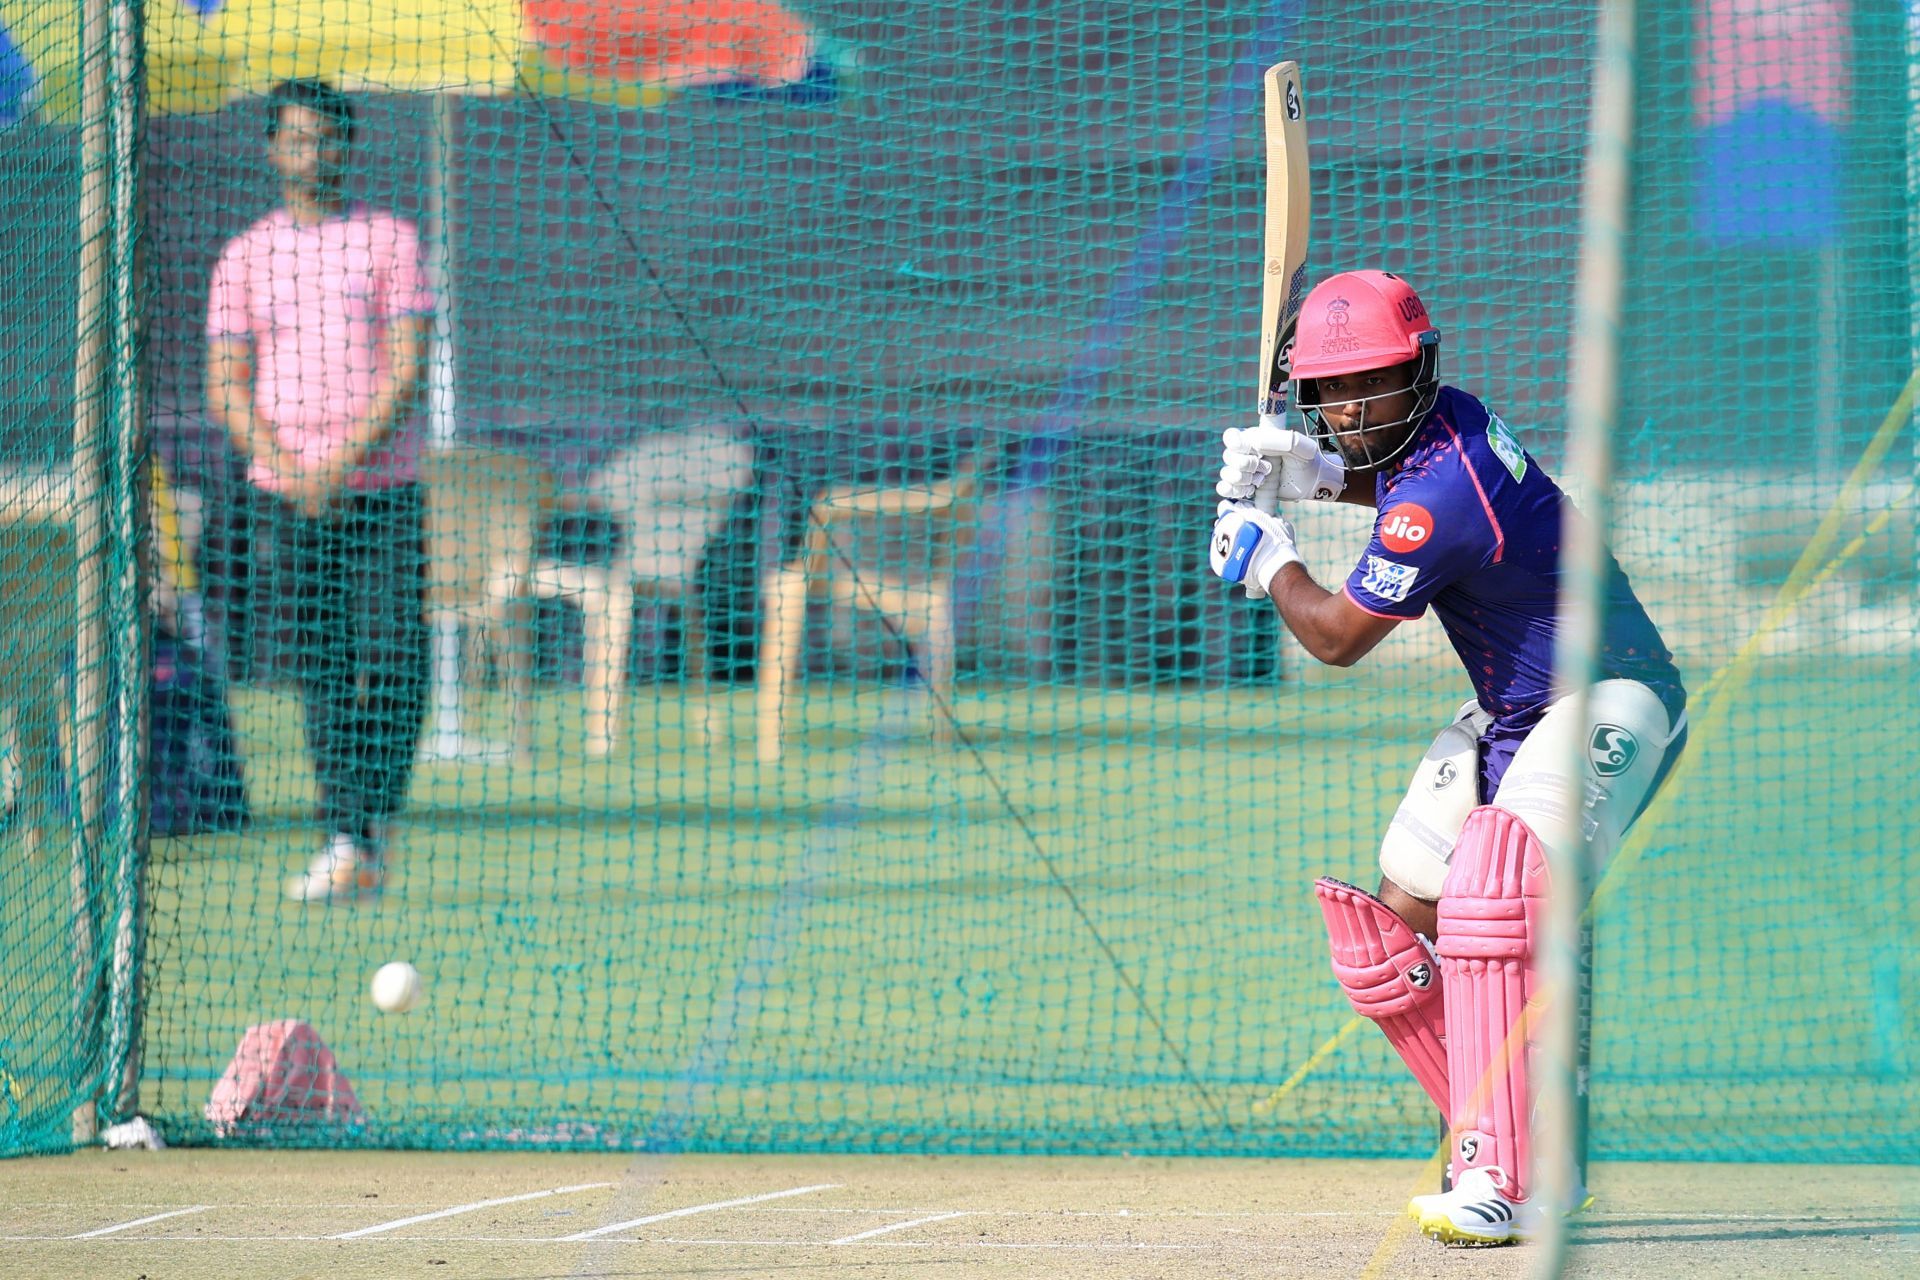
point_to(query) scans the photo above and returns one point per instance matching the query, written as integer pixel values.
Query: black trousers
(362, 650)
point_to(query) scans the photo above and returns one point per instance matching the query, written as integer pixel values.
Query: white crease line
(138, 1222)
(1894, 1213)
(465, 1208)
(697, 1208)
(1085, 1246)
(654, 1242)
(898, 1226)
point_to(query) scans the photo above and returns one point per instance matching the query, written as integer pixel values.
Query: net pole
(1560, 1152)
(89, 485)
(442, 424)
(126, 499)
(447, 741)
(1913, 248)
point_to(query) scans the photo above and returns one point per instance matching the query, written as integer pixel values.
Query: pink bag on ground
(282, 1077)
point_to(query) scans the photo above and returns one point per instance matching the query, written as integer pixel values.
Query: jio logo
(1406, 527)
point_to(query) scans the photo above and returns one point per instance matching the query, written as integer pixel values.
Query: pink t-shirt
(317, 301)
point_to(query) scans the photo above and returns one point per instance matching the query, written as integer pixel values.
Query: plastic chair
(669, 493)
(922, 612)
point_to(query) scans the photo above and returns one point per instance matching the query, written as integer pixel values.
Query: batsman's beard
(1362, 446)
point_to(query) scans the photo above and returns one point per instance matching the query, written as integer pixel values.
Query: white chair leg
(607, 612)
(695, 691)
(510, 630)
(784, 610)
(923, 615)
(514, 653)
(936, 657)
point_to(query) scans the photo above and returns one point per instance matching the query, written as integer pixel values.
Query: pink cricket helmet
(1359, 320)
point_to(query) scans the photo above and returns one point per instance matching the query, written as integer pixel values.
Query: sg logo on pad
(1612, 750)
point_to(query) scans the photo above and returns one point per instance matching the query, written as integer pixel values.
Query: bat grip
(1266, 497)
(1273, 414)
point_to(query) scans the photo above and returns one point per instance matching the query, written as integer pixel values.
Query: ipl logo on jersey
(1387, 579)
(1612, 750)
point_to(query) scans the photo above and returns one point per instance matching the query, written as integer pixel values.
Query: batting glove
(1270, 464)
(1249, 547)
(1242, 465)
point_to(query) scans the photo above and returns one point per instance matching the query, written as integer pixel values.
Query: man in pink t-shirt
(317, 324)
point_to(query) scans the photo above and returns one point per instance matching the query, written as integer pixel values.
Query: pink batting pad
(1390, 977)
(1492, 912)
(282, 1076)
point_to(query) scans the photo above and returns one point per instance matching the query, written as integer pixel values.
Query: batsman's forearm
(1315, 617)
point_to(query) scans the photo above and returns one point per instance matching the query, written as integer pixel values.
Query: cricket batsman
(1468, 525)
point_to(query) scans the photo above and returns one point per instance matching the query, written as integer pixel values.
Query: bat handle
(1266, 498)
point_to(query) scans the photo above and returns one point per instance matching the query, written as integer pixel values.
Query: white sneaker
(1476, 1212)
(1420, 1206)
(340, 872)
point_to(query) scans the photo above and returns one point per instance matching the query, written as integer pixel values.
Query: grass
(1092, 933)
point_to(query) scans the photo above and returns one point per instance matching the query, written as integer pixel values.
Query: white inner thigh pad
(1444, 790)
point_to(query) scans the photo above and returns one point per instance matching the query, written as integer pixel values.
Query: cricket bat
(1283, 265)
(1283, 272)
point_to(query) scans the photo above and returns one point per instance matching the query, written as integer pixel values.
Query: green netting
(71, 487)
(940, 316)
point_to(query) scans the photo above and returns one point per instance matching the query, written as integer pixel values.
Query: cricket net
(830, 736)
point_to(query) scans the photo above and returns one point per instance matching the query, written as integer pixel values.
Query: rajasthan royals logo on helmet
(1339, 336)
(1612, 750)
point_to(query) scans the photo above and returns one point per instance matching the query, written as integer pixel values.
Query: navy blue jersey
(1469, 523)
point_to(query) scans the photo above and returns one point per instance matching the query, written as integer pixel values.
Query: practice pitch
(194, 1214)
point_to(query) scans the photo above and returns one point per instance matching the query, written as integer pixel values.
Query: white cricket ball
(396, 986)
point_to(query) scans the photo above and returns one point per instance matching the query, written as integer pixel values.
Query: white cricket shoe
(340, 872)
(1476, 1212)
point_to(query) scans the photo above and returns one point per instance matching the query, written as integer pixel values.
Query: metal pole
(448, 741)
(1560, 1145)
(441, 419)
(1913, 247)
(127, 499)
(89, 457)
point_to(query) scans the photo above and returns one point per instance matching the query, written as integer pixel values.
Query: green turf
(873, 945)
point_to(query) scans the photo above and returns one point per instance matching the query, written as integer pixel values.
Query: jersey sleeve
(1424, 539)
